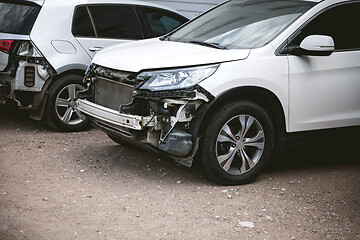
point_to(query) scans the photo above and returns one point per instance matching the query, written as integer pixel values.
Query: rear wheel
(237, 143)
(62, 112)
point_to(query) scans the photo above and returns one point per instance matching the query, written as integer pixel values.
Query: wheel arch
(79, 72)
(41, 98)
(261, 96)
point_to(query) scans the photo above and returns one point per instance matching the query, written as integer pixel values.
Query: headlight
(176, 78)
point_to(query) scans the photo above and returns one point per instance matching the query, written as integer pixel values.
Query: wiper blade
(207, 44)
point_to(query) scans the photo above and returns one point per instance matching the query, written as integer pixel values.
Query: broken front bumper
(165, 121)
(177, 144)
(113, 117)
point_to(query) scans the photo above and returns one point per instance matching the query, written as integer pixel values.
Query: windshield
(242, 23)
(17, 18)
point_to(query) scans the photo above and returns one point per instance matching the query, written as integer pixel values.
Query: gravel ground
(84, 186)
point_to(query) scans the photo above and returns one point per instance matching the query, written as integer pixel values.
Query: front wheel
(62, 112)
(237, 143)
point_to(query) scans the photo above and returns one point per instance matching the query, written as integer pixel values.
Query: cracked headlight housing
(176, 78)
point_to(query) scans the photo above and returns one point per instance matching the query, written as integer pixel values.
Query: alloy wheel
(240, 144)
(65, 105)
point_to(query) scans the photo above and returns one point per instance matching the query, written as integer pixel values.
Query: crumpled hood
(155, 54)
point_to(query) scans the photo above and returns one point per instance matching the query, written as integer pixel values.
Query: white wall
(190, 8)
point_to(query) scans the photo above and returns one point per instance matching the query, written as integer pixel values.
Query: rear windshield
(17, 18)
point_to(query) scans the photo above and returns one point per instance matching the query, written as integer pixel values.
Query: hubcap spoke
(67, 116)
(223, 138)
(72, 91)
(62, 102)
(245, 161)
(226, 131)
(245, 124)
(255, 141)
(79, 114)
(227, 159)
(258, 145)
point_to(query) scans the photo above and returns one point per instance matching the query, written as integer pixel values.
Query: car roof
(130, 2)
(39, 2)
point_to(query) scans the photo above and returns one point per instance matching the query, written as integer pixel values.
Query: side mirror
(313, 45)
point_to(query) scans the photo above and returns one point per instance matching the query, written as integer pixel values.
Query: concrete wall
(190, 8)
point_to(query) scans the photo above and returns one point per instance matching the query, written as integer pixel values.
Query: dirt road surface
(84, 186)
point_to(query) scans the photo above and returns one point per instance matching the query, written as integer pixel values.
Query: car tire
(237, 143)
(61, 110)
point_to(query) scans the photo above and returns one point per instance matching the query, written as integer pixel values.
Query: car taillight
(5, 45)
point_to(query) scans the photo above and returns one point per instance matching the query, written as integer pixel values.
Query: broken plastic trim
(187, 93)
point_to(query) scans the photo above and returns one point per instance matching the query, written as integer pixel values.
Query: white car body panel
(261, 69)
(324, 91)
(323, 106)
(129, 56)
(94, 45)
(42, 39)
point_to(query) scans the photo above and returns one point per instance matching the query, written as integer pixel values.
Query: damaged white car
(230, 87)
(47, 45)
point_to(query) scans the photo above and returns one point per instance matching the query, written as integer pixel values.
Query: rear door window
(82, 25)
(116, 21)
(160, 21)
(17, 18)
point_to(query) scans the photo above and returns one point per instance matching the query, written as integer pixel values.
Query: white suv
(232, 85)
(46, 46)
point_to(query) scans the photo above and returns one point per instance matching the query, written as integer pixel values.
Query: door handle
(95, 49)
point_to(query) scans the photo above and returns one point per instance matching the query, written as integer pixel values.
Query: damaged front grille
(116, 75)
(119, 90)
(113, 88)
(111, 94)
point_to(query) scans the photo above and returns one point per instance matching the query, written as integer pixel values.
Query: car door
(98, 26)
(325, 90)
